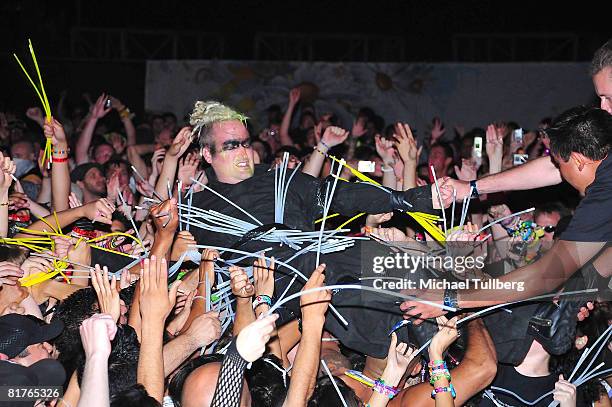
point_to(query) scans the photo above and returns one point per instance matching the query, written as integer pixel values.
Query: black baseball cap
(17, 332)
(46, 372)
(80, 171)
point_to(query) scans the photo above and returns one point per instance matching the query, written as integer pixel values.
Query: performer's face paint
(232, 159)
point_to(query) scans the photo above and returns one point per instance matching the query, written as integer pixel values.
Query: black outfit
(592, 221)
(229, 384)
(529, 388)
(368, 328)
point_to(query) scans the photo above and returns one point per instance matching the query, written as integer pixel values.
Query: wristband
(475, 193)
(434, 364)
(61, 151)
(320, 152)
(125, 113)
(324, 144)
(449, 389)
(383, 169)
(262, 299)
(437, 376)
(59, 159)
(385, 390)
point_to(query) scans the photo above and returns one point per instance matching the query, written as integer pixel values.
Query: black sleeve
(229, 383)
(351, 198)
(592, 221)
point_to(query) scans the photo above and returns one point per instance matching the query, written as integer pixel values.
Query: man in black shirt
(580, 144)
(226, 146)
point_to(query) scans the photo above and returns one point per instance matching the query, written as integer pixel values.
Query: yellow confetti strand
(113, 251)
(46, 104)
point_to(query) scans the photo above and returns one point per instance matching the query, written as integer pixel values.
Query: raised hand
(398, 358)
(294, 96)
(447, 334)
(181, 244)
(359, 127)
(240, 283)
(100, 210)
(74, 201)
(494, 148)
(384, 148)
(97, 332)
(98, 110)
(468, 170)
(334, 136)
(107, 292)
(437, 130)
(314, 305)
(263, 277)
(180, 144)
(204, 329)
(187, 169)
(565, 393)
(406, 144)
(7, 169)
(156, 301)
(165, 216)
(35, 114)
(446, 193)
(55, 131)
(252, 340)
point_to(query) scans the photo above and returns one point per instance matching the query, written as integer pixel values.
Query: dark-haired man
(580, 144)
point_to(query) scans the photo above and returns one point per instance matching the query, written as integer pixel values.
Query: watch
(475, 193)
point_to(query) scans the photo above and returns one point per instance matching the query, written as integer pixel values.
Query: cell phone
(477, 150)
(366, 166)
(517, 136)
(108, 103)
(518, 159)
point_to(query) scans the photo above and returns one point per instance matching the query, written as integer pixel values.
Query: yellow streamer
(350, 220)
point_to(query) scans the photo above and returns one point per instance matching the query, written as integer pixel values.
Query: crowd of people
(147, 261)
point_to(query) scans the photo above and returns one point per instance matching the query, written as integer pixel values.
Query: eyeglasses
(549, 228)
(230, 145)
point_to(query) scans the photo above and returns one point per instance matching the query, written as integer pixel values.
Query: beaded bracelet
(320, 152)
(438, 376)
(262, 299)
(449, 389)
(61, 151)
(437, 364)
(385, 390)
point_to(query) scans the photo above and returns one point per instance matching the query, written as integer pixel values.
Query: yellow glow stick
(350, 220)
(42, 101)
(328, 217)
(42, 86)
(38, 278)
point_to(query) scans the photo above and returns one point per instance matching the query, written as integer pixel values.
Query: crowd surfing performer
(225, 145)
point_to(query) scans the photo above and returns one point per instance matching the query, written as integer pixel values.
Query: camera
(517, 136)
(477, 150)
(108, 103)
(518, 159)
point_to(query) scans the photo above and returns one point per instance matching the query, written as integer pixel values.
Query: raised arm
(7, 169)
(100, 211)
(314, 306)
(177, 149)
(98, 111)
(332, 136)
(294, 98)
(60, 171)
(126, 118)
(537, 173)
